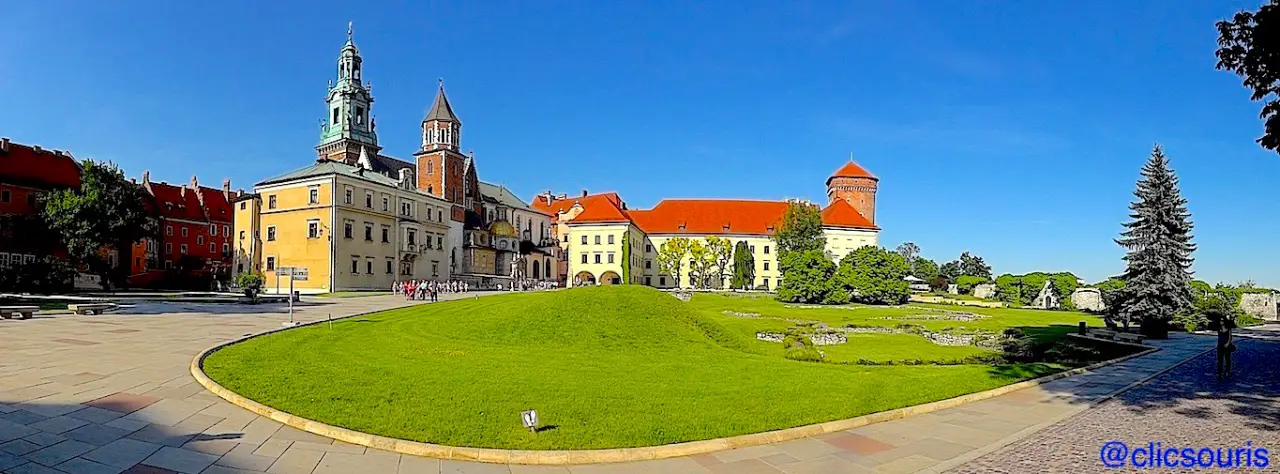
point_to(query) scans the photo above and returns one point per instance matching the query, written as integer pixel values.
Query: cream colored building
(604, 242)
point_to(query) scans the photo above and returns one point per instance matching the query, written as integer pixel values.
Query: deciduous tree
(106, 211)
(874, 275)
(721, 251)
(800, 230)
(1248, 46)
(699, 259)
(671, 256)
(809, 278)
(908, 251)
(1157, 240)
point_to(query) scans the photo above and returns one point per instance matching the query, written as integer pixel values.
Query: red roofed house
(603, 242)
(194, 221)
(26, 172)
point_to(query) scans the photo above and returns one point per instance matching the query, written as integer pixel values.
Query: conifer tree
(1157, 240)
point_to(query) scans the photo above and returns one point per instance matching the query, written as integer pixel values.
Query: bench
(21, 312)
(1126, 337)
(91, 308)
(1103, 333)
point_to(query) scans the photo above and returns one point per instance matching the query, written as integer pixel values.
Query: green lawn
(605, 367)
(352, 294)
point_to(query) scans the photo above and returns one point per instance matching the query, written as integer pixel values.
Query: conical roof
(440, 110)
(852, 170)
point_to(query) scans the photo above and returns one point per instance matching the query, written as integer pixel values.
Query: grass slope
(608, 367)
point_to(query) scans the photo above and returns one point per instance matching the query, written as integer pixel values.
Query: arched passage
(536, 274)
(583, 279)
(610, 278)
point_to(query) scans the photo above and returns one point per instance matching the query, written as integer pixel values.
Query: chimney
(4, 144)
(226, 189)
(584, 193)
(37, 148)
(195, 185)
(182, 191)
(146, 182)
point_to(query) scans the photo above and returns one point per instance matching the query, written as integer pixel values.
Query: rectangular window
(766, 250)
(753, 249)
(435, 268)
(271, 201)
(648, 281)
(648, 264)
(242, 203)
(440, 242)
(355, 266)
(610, 239)
(242, 235)
(386, 235)
(368, 231)
(610, 257)
(334, 122)
(368, 199)
(597, 258)
(346, 230)
(386, 204)
(213, 230)
(597, 240)
(766, 265)
(271, 233)
(662, 281)
(271, 264)
(765, 284)
(226, 230)
(213, 248)
(427, 241)
(313, 195)
(347, 195)
(184, 231)
(199, 240)
(226, 249)
(584, 240)
(313, 229)
(368, 266)
(412, 236)
(389, 267)
(4, 196)
(648, 247)
(584, 258)
(168, 248)
(183, 249)
(168, 230)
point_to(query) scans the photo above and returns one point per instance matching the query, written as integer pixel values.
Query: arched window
(428, 167)
(535, 269)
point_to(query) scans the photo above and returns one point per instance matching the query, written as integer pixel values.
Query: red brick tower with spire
(856, 186)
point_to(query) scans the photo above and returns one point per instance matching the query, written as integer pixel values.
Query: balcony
(414, 248)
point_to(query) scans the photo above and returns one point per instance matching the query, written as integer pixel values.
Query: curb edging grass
(590, 456)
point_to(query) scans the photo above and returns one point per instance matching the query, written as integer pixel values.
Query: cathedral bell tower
(348, 126)
(441, 167)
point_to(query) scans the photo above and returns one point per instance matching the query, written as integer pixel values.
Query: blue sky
(1012, 129)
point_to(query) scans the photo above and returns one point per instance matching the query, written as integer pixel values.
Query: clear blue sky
(1012, 129)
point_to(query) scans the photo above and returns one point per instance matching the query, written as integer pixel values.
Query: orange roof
(216, 204)
(172, 202)
(710, 216)
(600, 208)
(557, 206)
(852, 170)
(841, 214)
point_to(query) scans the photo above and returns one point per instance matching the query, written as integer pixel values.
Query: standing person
(1226, 345)
(435, 292)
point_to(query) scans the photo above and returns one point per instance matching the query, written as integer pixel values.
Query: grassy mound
(605, 367)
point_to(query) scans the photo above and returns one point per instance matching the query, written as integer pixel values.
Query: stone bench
(21, 312)
(91, 308)
(1103, 334)
(1126, 337)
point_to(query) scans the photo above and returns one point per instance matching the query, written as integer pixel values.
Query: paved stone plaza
(1186, 407)
(112, 393)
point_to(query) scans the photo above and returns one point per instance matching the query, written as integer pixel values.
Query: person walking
(1226, 345)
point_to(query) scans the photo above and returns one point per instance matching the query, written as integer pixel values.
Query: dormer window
(725, 228)
(681, 227)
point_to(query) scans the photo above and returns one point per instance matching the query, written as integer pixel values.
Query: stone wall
(1260, 305)
(986, 291)
(828, 339)
(1088, 299)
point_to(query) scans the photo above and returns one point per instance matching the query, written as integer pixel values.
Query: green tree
(105, 212)
(965, 283)
(1157, 240)
(924, 269)
(874, 275)
(908, 251)
(744, 266)
(810, 278)
(950, 270)
(800, 230)
(699, 261)
(721, 252)
(1247, 46)
(671, 256)
(972, 265)
(626, 257)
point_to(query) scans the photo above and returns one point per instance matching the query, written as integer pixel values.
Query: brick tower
(443, 170)
(856, 186)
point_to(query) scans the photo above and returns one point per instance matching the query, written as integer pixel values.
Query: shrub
(249, 280)
(803, 354)
(965, 283)
(46, 275)
(809, 277)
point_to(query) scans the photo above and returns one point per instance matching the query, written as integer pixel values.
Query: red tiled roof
(44, 168)
(710, 216)
(561, 205)
(216, 204)
(852, 170)
(171, 203)
(842, 214)
(600, 208)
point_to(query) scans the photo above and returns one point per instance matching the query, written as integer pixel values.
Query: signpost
(530, 420)
(294, 274)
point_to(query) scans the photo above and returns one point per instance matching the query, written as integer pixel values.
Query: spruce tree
(1158, 247)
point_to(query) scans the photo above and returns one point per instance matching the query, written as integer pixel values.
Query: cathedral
(435, 218)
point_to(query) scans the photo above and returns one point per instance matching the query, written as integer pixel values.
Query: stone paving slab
(126, 403)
